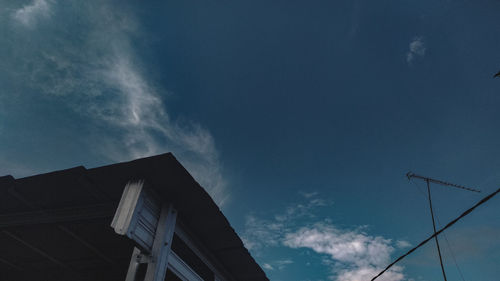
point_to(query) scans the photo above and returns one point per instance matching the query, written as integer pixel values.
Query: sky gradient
(300, 118)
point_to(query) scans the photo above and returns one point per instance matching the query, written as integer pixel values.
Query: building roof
(57, 225)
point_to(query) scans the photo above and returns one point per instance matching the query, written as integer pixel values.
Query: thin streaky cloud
(403, 244)
(140, 113)
(267, 266)
(109, 85)
(282, 264)
(29, 15)
(260, 233)
(309, 194)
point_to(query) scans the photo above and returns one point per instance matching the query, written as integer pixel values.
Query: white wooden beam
(161, 246)
(181, 269)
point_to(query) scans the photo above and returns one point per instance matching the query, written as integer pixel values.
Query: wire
(434, 227)
(453, 255)
(419, 188)
(444, 234)
(484, 200)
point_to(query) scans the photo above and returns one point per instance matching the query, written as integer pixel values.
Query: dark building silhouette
(57, 226)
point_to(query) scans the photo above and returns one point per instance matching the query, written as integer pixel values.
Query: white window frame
(151, 224)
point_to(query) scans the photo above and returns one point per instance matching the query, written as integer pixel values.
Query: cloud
(267, 266)
(260, 233)
(403, 244)
(344, 246)
(417, 48)
(302, 210)
(367, 273)
(30, 14)
(141, 115)
(355, 255)
(350, 254)
(96, 70)
(278, 264)
(309, 194)
(283, 263)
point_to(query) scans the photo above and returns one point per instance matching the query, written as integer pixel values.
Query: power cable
(444, 234)
(482, 201)
(434, 227)
(452, 254)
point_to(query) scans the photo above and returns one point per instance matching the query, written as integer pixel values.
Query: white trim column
(157, 268)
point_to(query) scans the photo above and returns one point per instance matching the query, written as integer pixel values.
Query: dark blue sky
(301, 118)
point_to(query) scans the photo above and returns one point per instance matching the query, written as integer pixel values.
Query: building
(147, 219)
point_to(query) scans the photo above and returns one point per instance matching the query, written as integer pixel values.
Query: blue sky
(301, 118)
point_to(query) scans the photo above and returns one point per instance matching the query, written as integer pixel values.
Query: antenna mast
(411, 175)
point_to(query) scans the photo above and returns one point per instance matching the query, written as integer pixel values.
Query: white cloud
(30, 14)
(417, 48)
(403, 244)
(344, 246)
(277, 264)
(367, 273)
(138, 111)
(283, 263)
(100, 75)
(350, 255)
(355, 255)
(301, 210)
(267, 266)
(309, 194)
(140, 114)
(261, 232)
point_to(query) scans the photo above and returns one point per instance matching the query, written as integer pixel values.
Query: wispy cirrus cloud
(416, 49)
(281, 264)
(277, 264)
(267, 266)
(92, 65)
(30, 14)
(270, 232)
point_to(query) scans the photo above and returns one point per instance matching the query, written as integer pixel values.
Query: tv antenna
(428, 180)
